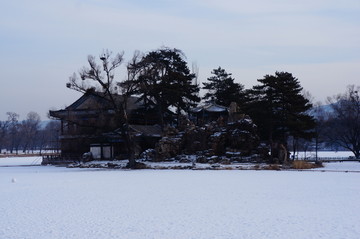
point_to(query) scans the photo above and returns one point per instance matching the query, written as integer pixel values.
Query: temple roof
(209, 107)
(92, 102)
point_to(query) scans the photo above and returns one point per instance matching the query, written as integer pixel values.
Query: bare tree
(14, 129)
(304, 144)
(321, 117)
(97, 76)
(4, 125)
(344, 121)
(29, 130)
(101, 77)
(48, 137)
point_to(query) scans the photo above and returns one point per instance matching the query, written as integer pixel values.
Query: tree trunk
(357, 154)
(130, 145)
(129, 140)
(316, 147)
(161, 116)
(294, 147)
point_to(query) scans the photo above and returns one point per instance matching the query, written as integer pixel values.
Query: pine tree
(165, 81)
(280, 110)
(222, 89)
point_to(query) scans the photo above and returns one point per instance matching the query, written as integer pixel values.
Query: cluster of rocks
(215, 142)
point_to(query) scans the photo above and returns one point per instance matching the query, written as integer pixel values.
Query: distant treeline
(29, 135)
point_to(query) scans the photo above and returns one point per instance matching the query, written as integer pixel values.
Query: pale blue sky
(44, 42)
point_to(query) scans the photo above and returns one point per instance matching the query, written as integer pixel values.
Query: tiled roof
(209, 107)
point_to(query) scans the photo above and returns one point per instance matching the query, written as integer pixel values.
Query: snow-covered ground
(41, 202)
(342, 167)
(20, 161)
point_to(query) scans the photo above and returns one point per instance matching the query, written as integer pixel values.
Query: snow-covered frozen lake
(41, 202)
(326, 154)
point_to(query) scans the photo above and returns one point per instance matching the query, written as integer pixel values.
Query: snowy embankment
(340, 167)
(20, 161)
(44, 202)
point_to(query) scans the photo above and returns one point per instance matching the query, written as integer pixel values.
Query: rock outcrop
(237, 139)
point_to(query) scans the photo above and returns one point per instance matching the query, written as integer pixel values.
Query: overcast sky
(44, 41)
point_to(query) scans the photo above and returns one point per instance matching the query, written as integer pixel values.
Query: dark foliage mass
(222, 89)
(160, 79)
(280, 110)
(163, 80)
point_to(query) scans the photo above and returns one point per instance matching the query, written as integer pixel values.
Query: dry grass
(302, 164)
(256, 167)
(140, 166)
(228, 168)
(272, 167)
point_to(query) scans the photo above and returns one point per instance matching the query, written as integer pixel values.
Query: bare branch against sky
(44, 42)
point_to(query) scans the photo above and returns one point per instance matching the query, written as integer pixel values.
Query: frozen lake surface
(44, 202)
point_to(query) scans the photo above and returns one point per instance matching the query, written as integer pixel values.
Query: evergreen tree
(222, 89)
(165, 81)
(280, 110)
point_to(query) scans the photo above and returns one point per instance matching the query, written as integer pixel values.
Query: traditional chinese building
(91, 124)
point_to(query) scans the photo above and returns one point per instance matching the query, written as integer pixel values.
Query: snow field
(53, 202)
(17, 161)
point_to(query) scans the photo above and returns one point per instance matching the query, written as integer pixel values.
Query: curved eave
(63, 114)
